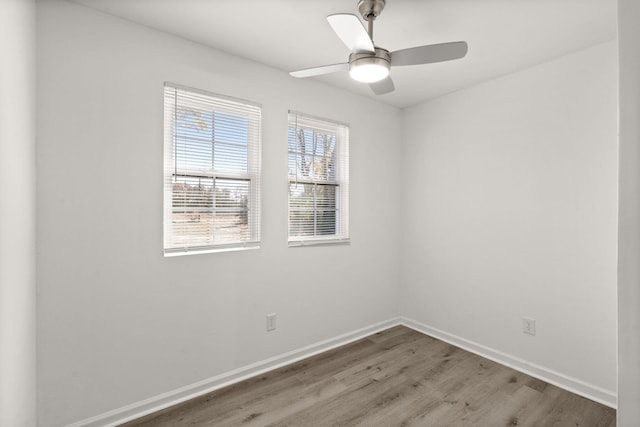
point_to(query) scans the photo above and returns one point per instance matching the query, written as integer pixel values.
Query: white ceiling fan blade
(429, 54)
(317, 71)
(383, 86)
(351, 31)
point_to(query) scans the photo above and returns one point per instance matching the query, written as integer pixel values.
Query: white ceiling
(503, 35)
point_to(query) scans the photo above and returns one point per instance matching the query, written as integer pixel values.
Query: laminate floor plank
(390, 333)
(398, 377)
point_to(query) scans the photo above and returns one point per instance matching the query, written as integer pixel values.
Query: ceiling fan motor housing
(370, 8)
(381, 56)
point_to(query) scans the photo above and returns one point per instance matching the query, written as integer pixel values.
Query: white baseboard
(157, 403)
(165, 400)
(574, 385)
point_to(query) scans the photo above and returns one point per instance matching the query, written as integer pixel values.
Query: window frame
(215, 104)
(340, 183)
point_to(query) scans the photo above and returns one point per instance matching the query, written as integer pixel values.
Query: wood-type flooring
(398, 377)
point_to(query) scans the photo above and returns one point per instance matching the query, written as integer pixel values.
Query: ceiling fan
(371, 64)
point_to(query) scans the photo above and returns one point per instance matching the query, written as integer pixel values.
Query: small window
(318, 180)
(211, 172)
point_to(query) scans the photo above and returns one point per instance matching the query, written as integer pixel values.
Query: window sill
(316, 242)
(211, 250)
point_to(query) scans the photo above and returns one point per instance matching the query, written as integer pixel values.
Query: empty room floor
(398, 377)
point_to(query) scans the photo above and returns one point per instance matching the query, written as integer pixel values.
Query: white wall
(510, 210)
(17, 214)
(119, 323)
(629, 227)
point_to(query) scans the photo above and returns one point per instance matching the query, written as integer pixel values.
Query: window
(318, 180)
(211, 172)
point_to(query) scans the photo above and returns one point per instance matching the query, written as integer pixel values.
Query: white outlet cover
(271, 322)
(529, 325)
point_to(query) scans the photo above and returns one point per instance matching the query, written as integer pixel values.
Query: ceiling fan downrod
(370, 9)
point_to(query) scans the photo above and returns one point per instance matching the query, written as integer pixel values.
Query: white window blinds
(318, 180)
(211, 171)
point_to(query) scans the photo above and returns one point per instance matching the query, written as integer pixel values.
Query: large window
(211, 172)
(318, 180)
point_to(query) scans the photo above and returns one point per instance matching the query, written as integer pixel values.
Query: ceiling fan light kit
(370, 68)
(372, 64)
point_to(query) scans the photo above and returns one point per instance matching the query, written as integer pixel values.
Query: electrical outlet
(271, 322)
(529, 325)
